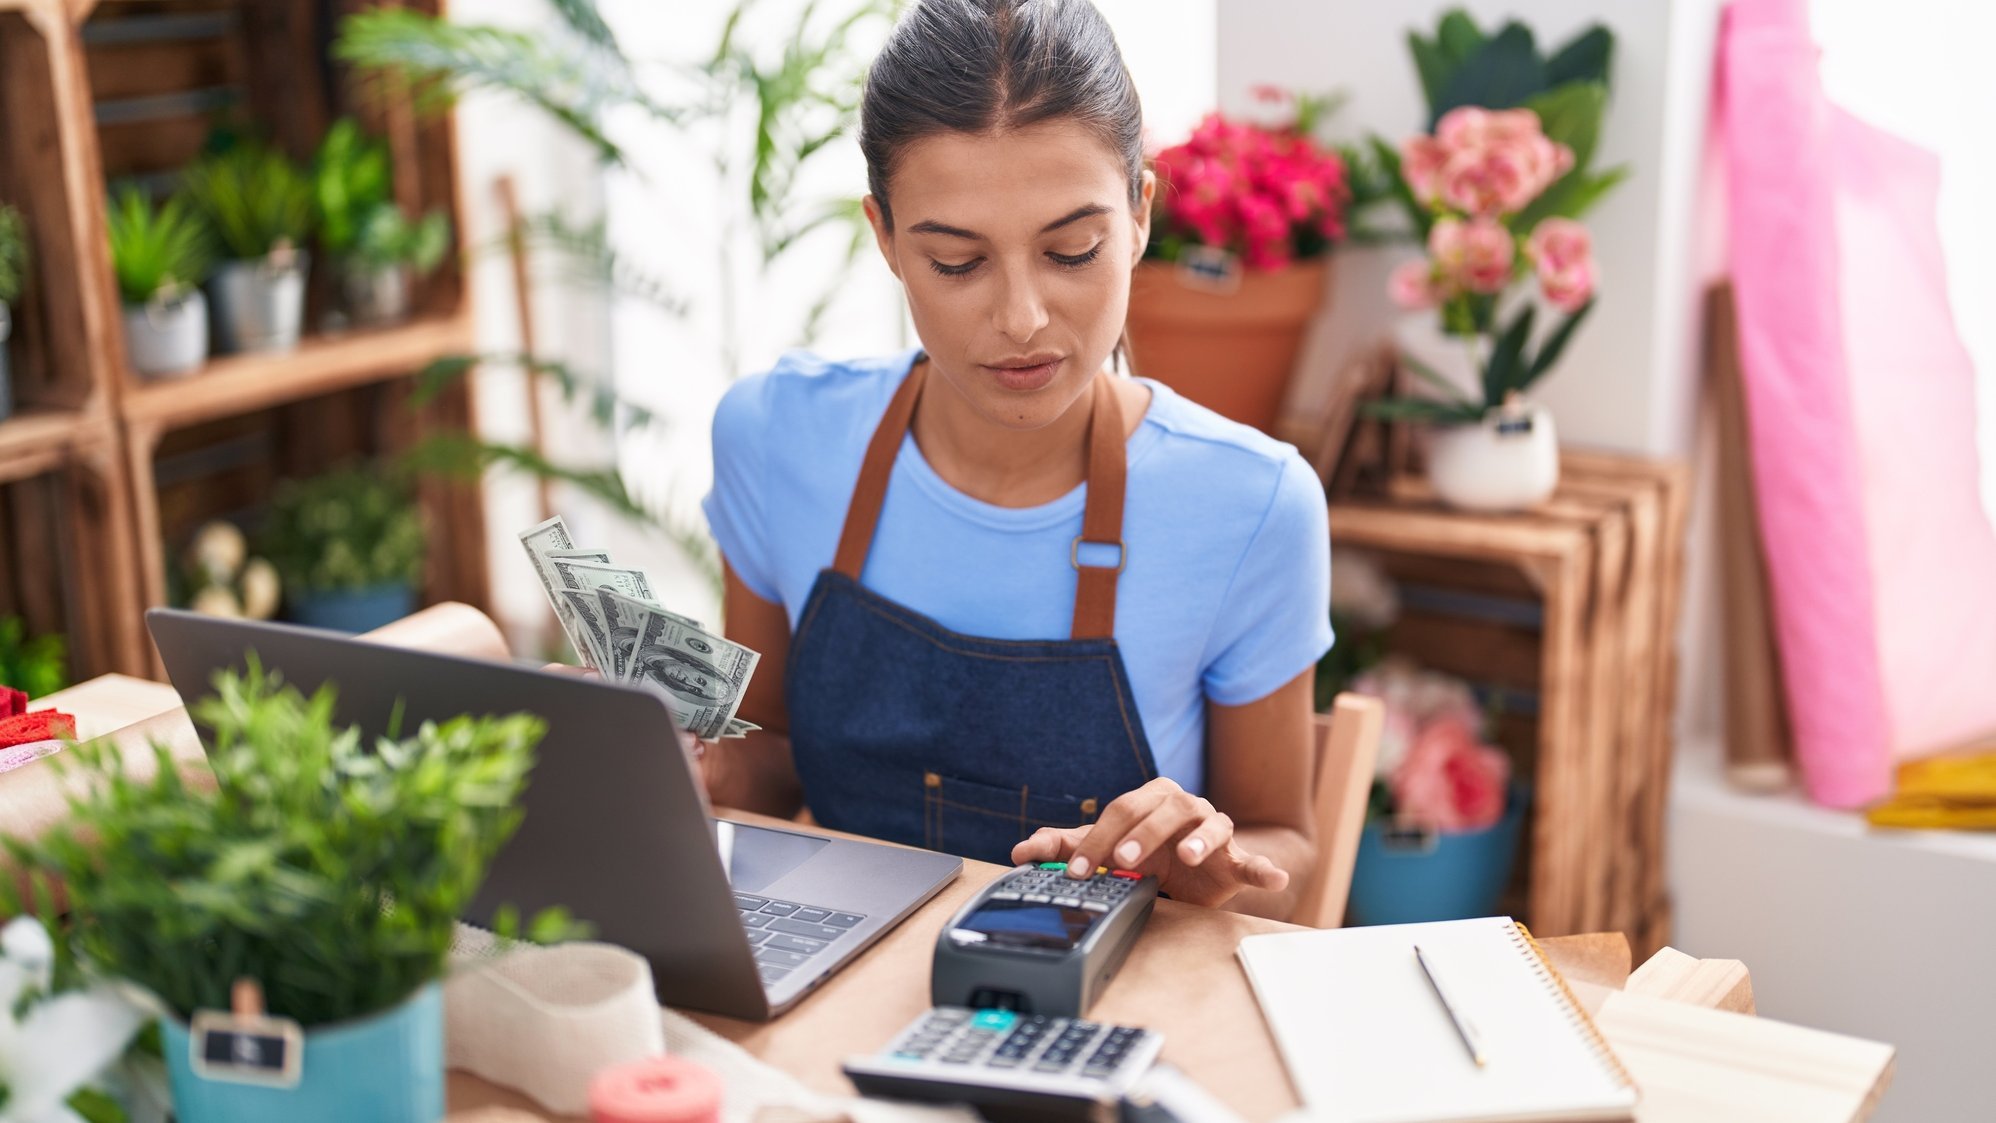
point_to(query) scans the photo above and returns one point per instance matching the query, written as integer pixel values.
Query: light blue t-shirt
(1226, 592)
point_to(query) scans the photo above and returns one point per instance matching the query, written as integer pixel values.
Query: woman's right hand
(701, 755)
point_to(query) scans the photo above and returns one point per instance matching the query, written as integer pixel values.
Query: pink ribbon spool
(656, 1090)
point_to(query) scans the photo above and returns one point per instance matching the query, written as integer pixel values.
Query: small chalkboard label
(244, 1045)
(1210, 268)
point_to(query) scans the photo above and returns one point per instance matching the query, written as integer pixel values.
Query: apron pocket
(972, 818)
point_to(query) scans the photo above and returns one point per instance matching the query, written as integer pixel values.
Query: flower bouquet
(1244, 216)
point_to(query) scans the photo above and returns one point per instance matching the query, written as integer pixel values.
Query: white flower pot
(259, 306)
(1507, 462)
(376, 297)
(167, 338)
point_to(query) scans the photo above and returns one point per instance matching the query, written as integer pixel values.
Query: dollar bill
(595, 634)
(623, 616)
(539, 541)
(701, 676)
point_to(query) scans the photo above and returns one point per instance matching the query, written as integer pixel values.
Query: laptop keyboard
(785, 934)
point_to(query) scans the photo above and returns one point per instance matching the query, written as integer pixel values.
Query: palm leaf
(1549, 353)
(606, 408)
(1424, 410)
(1506, 358)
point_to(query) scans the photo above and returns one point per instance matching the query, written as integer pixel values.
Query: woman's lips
(1023, 379)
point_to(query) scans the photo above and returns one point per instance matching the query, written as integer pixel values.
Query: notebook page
(1366, 1040)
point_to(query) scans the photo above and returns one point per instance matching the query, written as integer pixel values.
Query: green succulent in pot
(160, 255)
(374, 246)
(258, 205)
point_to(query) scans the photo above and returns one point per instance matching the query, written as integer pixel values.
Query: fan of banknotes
(618, 628)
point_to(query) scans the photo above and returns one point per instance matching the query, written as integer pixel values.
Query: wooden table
(1182, 978)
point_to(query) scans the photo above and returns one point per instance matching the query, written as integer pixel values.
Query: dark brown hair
(978, 66)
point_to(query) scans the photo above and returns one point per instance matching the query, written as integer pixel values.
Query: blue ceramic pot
(351, 610)
(1406, 880)
(387, 1068)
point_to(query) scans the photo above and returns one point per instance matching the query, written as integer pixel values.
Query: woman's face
(1015, 250)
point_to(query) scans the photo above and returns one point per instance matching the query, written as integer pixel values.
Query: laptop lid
(615, 827)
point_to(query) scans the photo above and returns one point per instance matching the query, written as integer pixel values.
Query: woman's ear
(883, 235)
(1148, 192)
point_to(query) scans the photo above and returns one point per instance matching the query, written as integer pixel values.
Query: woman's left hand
(1165, 830)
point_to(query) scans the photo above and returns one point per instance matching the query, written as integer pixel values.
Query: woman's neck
(1001, 466)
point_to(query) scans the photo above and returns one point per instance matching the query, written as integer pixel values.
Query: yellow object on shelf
(1942, 793)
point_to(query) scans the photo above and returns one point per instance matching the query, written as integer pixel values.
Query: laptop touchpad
(757, 858)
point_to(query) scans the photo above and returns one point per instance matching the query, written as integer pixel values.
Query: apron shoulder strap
(1101, 521)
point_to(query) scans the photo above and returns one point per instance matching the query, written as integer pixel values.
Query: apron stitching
(1136, 750)
(941, 802)
(996, 657)
(1023, 789)
(922, 625)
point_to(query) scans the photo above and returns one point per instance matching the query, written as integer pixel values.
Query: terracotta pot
(1230, 352)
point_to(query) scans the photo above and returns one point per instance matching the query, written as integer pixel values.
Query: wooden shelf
(37, 441)
(237, 384)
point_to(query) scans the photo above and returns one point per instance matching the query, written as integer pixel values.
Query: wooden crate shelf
(1565, 616)
(94, 94)
(234, 384)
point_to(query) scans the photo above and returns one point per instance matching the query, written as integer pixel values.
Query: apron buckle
(1074, 553)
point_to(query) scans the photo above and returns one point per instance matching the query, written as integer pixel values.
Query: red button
(1126, 875)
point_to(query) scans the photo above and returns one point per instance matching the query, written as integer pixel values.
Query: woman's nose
(1021, 313)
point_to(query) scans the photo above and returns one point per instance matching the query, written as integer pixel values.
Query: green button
(994, 1019)
(1053, 865)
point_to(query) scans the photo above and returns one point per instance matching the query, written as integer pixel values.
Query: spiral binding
(1524, 939)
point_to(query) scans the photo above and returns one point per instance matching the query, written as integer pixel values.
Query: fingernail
(1127, 852)
(1077, 867)
(1195, 846)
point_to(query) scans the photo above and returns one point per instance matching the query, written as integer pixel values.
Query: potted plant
(371, 245)
(1492, 192)
(1444, 819)
(348, 547)
(1244, 218)
(329, 871)
(259, 207)
(13, 279)
(160, 257)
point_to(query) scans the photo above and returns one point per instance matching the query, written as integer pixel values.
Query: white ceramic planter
(167, 338)
(258, 306)
(1507, 462)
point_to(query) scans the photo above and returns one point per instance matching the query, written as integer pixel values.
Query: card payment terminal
(1037, 941)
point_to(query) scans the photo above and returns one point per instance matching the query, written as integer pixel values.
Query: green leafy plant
(348, 529)
(36, 665)
(13, 254)
(331, 871)
(254, 199)
(155, 251)
(350, 181)
(387, 239)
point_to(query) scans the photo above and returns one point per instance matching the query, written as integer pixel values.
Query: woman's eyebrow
(929, 226)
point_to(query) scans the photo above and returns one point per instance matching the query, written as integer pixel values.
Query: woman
(1012, 604)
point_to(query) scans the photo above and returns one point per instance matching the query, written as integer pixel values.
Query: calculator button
(779, 908)
(843, 919)
(792, 943)
(799, 928)
(815, 916)
(1068, 902)
(748, 903)
(994, 1020)
(778, 958)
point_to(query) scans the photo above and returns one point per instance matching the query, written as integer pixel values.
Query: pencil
(1463, 1027)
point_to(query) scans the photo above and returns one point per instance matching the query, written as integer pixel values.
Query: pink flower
(1252, 189)
(1562, 252)
(1421, 161)
(1474, 255)
(1413, 286)
(1450, 780)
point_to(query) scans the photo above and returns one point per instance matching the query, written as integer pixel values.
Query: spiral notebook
(1366, 1040)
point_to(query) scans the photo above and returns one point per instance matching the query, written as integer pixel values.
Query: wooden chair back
(1347, 751)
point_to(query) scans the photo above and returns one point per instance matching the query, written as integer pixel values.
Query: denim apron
(907, 731)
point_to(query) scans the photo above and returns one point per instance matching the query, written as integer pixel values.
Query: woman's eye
(949, 270)
(1077, 260)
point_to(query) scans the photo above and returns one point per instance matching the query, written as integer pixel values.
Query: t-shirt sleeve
(737, 507)
(1275, 618)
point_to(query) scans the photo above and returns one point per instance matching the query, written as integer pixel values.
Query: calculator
(1040, 942)
(1009, 1064)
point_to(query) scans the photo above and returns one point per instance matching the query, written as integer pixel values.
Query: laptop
(735, 919)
